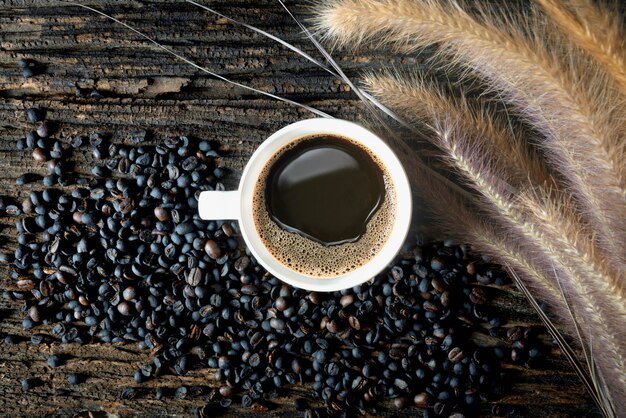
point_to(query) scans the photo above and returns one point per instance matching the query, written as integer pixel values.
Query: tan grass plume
(565, 103)
(597, 27)
(493, 160)
(461, 220)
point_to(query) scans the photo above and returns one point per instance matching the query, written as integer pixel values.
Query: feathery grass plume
(483, 143)
(462, 221)
(596, 27)
(585, 284)
(553, 88)
(487, 172)
(418, 98)
(557, 219)
(602, 310)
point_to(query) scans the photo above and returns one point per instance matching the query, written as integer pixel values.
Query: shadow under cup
(318, 267)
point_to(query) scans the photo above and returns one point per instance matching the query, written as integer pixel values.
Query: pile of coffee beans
(121, 256)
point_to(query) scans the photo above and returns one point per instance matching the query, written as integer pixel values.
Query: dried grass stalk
(565, 100)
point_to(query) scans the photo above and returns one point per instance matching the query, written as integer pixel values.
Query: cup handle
(218, 205)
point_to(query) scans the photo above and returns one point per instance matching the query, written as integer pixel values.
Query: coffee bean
(139, 377)
(43, 130)
(354, 322)
(400, 383)
(515, 333)
(421, 400)
(124, 308)
(185, 228)
(34, 313)
(129, 293)
(242, 263)
(401, 402)
(39, 155)
(478, 296)
(28, 384)
(437, 263)
(74, 379)
(194, 277)
(254, 360)
(333, 326)
(212, 249)
(34, 115)
(281, 304)
(456, 354)
(37, 339)
(161, 214)
(54, 361)
(128, 394)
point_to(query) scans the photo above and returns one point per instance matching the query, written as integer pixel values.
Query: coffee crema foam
(309, 257)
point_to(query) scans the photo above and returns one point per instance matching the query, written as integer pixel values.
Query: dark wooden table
(142, 87)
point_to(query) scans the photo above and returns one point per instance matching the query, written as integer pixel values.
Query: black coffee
(324, 206)
(326, 189)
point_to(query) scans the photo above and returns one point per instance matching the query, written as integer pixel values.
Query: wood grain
(142, 87)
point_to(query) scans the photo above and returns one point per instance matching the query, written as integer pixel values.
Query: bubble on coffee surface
(309, 257)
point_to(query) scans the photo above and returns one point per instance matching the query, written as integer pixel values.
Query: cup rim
(361, 135)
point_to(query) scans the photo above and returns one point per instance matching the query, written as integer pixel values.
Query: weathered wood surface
(142, 87)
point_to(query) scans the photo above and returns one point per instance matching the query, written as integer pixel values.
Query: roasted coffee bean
(401, 402)
(194, 277)
(34, 313)
(28, 384)
(128, 394)
(184, 228)
(34, 115)
(212, 249)
(478, 296)
(456, 354)
(161, 214)
(43, 130)
(74, 379)
(438, 263)
(181, 392)
(139, 377)
(515, 333)
(54, 361)
(242, 263)
(421, 400)
(124, 308)
(278, 324)
(129, 293)
(39, 155)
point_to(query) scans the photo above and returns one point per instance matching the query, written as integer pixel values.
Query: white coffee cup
(218, 205)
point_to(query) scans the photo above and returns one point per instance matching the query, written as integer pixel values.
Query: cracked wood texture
(142, 87)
